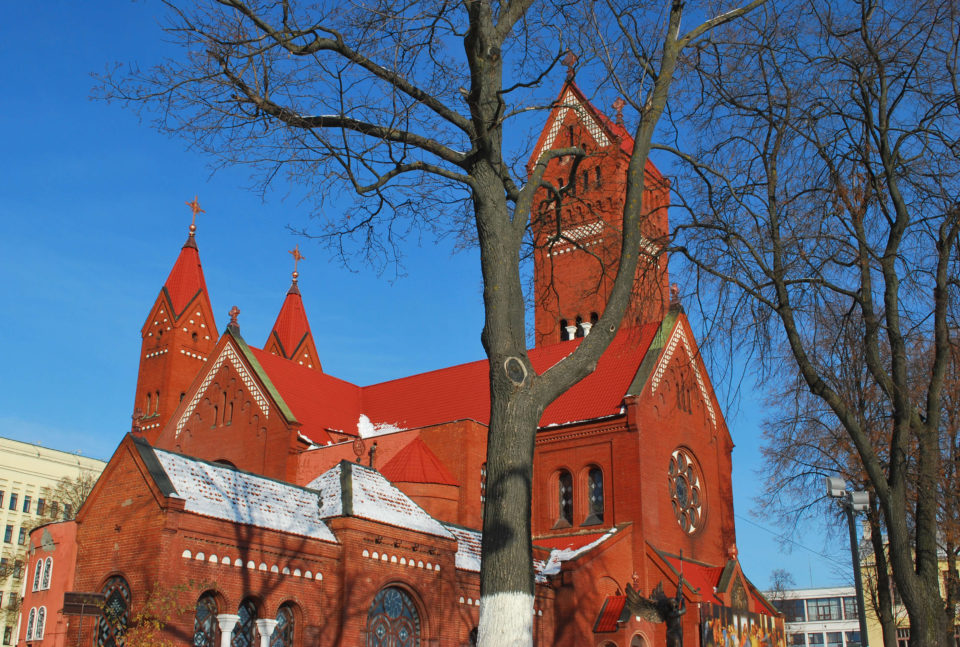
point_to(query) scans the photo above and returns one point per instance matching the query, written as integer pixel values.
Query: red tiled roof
(291, 325)
(320, 401)
(186, 278)
(568, 542)
(317, 400)
(462, 391)
(699, 576)
(607, 621)
(415, 463)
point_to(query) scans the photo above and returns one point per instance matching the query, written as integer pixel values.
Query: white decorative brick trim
(680, 335)
(227, 355)
(568, 103)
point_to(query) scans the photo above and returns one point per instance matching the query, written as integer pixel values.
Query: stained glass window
(393, 620)
(685, 490)
(595, 494)
(283, 633)
(565, 496)
(243, 633)
(41, 621)
(37, 573)
(116, 608)
(47, 573)
(205, 622)
(30, 619)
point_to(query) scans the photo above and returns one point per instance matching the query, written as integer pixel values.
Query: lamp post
(852, 502)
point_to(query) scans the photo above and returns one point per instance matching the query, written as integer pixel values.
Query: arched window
(393, 620)
(243, 633)
(564, 335)
(41, 621)
(156, 402)
(116, 609)
(579, 332)
(564, 498)
(595, 495)
(205, 622)
(37, 573)
(30, 620)
(283, 633)
(47, 573)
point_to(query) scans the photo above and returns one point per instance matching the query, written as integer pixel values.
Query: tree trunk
(883, 597)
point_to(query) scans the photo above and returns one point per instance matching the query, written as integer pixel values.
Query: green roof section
(653, 353)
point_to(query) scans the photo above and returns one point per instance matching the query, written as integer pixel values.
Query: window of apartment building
(13, 500)
(792, 610)
(7, 634)
(27, 500)
(67, 511)
(12, 601)
(8, 534)
(824, 609)
(54, 509)
(22, 536)
(41, 506)
(796, 640)
(18, 569)
(853, 639)
(834, 639)
(850, 608)
(815, 640)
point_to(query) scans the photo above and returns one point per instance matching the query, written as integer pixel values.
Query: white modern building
(825, 617)
(29, 476)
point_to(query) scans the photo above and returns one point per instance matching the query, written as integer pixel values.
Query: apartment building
(29, 478)
(824, 617)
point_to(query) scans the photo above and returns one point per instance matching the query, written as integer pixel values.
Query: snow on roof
(370, 496)
(558, 556)
(226, 493)
(367, 429)
(468, 547)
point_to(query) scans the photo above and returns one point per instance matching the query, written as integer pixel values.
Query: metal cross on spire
(570, 60)
(297, 257)
(618, 106)
(194, 209)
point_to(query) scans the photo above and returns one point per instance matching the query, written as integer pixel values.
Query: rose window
(686, 491)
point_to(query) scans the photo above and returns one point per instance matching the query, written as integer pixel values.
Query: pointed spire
(186, 278)
(290, 337)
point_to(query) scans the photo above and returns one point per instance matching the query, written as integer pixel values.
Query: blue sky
(92, 217)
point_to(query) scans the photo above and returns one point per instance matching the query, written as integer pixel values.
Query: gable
(228, 355)
(570, 103)
(679, 345)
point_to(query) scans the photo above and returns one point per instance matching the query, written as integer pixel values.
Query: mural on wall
(722, 626)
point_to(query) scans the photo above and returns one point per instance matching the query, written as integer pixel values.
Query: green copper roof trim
(261, 373)
(154, 468)
(346, 488)
(653, 353)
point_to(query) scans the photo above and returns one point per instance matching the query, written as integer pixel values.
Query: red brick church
(280, 506)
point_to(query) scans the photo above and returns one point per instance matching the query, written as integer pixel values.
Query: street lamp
(852, 502)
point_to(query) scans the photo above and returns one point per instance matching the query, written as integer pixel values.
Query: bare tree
(418, 107)
(836, 200)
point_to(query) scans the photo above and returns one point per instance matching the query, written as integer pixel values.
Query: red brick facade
(632, 466)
